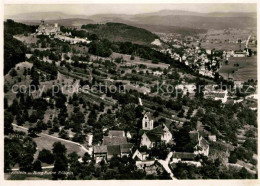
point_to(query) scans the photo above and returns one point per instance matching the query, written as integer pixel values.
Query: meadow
(246, 70)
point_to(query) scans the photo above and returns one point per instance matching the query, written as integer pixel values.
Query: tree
(60, 165)
(232, 158)
(86, 158)
(61, 162)
(13, 73)
(63, 134)
(37, 166)
(8, 119)
(5, 103)
(58, 149)
(32, 132)
(46, 156)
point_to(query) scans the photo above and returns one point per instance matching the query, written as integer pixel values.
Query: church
(152, 135)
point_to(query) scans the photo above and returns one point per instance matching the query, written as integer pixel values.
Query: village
(161, 120)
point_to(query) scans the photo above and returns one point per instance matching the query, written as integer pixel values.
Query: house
(216, 95)
(239, 53)
(116, 133)
(212, 138)
(238, 84)
(100, 152)
(182, 156)
(208, 51)
(114, 140)
(155, 135)
(115, 144)
(113, 150)
(106, 152)
(201, 144)
(125, 149)
(139, 155)
(157, 73)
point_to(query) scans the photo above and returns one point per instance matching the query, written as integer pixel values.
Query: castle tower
(42, 22)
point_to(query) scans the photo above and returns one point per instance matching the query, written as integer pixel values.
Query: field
(46, 141)
(225, 39)
(247, 68)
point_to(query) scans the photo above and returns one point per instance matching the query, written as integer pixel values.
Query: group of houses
(115, 144)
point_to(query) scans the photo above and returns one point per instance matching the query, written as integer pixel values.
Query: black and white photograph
(152, 91)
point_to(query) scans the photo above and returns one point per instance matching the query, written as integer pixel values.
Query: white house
(140, 155)
(158, 134)
(216, 95)
(202, 146)
(239, 54)
(208, 51)
(157, 73)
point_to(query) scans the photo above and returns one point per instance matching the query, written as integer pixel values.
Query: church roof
(203, 142)
(153, 137)
(149, 115)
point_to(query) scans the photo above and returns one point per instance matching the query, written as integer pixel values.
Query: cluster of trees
(121, 32)
(19, 149)
(14, 52)
(46, 67)
(100, 48)
(245, 152)
(15, 28)
(209, 170)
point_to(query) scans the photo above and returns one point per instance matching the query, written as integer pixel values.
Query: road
(46, 167)
(165, 164)
(89, 151)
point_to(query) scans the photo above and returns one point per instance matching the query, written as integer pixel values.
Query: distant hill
(174, 20)
(190, 13)
(121, 32)
(43, 15)
(63, 22)
(199, 22)
(171, 29)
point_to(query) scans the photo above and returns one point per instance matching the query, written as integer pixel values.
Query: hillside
(121, 32)
(14, 50)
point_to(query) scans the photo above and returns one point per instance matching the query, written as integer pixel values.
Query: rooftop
(116, 133)
(113, 140)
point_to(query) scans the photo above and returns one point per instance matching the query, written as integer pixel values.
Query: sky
(92, 9)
